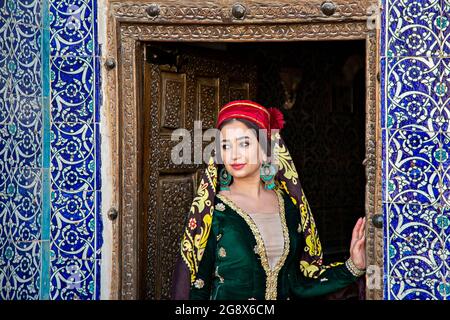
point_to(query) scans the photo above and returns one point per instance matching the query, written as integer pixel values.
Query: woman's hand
(358, 244)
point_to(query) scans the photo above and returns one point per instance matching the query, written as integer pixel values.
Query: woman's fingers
(361, 242)
(362, 228)
(355, 233)
(361, 247)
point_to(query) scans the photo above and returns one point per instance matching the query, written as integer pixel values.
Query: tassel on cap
(276, 118)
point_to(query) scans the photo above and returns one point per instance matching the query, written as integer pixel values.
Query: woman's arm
(335, 277)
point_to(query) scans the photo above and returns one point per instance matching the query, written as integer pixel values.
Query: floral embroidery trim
(192, 223)
(271, 274)
(221, 279)
(222, 252)
(199, 283)
(220, 206)
(193, 242)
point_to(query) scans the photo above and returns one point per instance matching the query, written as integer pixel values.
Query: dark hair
(248, 123)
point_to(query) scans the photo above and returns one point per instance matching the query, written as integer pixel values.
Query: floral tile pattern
(415, 124)
(50, 194)
(74, 142)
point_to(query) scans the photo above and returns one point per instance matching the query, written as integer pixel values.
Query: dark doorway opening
(320, 88)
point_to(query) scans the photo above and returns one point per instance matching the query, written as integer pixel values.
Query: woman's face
(240, 150)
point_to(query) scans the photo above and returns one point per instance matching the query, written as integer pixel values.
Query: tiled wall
(50, 188)
(75, 224)
(415, 87)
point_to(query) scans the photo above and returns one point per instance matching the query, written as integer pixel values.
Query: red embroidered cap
(264, 118)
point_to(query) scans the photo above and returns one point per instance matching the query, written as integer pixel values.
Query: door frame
(131, 24)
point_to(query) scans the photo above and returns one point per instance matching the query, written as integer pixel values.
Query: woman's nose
(235, 153)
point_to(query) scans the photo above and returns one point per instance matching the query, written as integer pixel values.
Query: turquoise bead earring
(224, 180)
(267, 173)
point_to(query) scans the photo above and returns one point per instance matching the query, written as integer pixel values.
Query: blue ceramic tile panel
(98, 159)
(20, 215)
(415, 93)
(415, 244)
(73, 279)
(22, 145)
(73, 79)
(445, 224)
(413, 28)
(442, 111)
(445, 30)
(24, 60)
(384, 166)
(20, 270)
(404, 216)
(73, 157)
(27, 112)
(97, 92)
(413, 170)
(428, 288)
(4, 76)
(420, 266)
(49, 140)
(383, 16)
(445, 168)
(26, 12)
(24, 206)
(383, 93)
(72, 24)
(415, 111)
(73, 225)
(98, 231)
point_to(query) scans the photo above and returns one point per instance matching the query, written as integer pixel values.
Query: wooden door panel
(174, 202)
(207, 100)
(173, 102)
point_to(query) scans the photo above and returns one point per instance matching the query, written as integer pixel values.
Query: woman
(253, 236)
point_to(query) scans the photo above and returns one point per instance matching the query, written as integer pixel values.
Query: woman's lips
(238, 166)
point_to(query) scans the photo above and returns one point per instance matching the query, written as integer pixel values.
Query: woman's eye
(244, 144)
(225, 146)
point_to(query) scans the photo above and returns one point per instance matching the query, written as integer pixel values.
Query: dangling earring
(267, 173)
(224, 179)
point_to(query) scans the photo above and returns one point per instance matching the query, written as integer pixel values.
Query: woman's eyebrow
(240, 138)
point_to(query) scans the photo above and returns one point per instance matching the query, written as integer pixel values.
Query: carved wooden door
(181, 85)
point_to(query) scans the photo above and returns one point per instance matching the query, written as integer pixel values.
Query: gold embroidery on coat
(271, 274)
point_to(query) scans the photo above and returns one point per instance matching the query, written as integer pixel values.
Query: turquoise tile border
(46, 184)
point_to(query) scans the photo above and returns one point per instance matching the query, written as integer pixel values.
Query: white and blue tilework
(50, 188)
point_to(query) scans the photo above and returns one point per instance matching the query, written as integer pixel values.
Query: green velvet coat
(234, 265)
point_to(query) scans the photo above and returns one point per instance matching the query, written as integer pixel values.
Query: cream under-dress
(269, 226)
